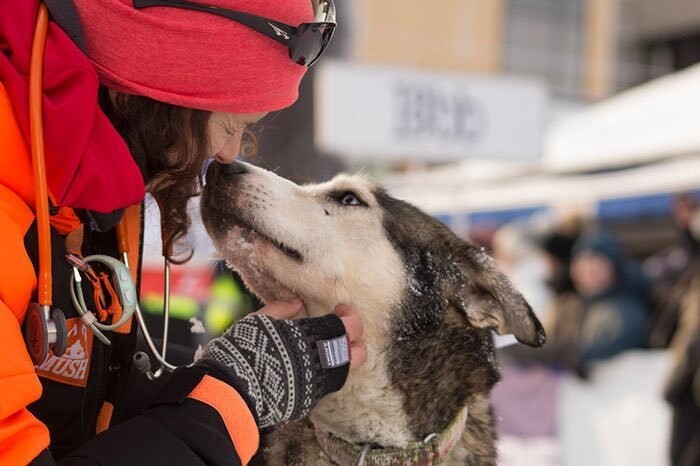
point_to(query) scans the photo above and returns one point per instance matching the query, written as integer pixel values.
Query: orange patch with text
(73, 367)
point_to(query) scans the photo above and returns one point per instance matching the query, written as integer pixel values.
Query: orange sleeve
(234, 411)
(22, 436)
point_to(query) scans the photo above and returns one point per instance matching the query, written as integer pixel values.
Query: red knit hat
(194, 59)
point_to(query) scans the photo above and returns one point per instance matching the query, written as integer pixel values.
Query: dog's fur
(428, 301)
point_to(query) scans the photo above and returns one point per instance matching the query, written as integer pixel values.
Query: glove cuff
(328, 337)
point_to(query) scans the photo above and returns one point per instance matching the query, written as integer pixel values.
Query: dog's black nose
(221, 170)
(233, 168)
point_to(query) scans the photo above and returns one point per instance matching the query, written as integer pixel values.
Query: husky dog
(428, 300)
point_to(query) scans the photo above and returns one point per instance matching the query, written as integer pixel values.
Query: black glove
(282, 367)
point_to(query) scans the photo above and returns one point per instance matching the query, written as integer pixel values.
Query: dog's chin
(254, 257)
(247, 229)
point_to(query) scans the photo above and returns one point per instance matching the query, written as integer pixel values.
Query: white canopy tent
(650, 135)
(539, 188)
(656, 120)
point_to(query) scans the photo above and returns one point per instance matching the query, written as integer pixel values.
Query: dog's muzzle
(220, 181)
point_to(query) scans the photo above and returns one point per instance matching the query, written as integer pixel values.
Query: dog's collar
(433, 450)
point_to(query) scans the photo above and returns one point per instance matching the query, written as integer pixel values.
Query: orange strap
(104, 417)
(129, 242)
(106, 305)
(238, 419)
(129, 237)
(66, 221)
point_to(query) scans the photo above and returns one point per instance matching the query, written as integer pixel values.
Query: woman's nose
(230, 150)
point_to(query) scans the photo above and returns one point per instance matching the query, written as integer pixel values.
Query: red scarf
(88, 164)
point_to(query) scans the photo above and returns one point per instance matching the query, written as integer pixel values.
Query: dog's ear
(489, 299)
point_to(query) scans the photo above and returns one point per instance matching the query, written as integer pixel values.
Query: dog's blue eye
(350, 199)
(347, 198)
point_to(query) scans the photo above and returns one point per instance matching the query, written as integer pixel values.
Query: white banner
(367, 112)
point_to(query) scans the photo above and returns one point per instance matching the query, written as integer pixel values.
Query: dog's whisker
(362, 170)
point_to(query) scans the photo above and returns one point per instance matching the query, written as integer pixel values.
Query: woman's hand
(351, 320)
(353, 325)
(285, 365)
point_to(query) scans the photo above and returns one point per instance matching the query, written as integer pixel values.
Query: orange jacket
(22, 436)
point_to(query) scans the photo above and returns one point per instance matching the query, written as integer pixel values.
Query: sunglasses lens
(311, 43)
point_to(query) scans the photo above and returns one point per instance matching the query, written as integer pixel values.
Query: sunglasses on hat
(305, 42)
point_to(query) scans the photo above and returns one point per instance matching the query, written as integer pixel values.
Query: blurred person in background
(604, 315)
(614, 294)
(669, 270)
(558, 246)
(685, 209)
(682, 389)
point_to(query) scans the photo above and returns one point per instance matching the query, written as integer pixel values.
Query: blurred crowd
(595, 302)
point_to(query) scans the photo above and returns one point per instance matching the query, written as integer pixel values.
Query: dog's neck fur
(367, 408)
(380, 402)
(436, 387)
(408, 388)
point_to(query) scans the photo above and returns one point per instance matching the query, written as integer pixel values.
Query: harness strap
(129, 232)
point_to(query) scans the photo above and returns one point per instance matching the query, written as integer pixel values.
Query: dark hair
(170, 145)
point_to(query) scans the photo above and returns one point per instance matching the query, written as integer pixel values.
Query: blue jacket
(615, 319)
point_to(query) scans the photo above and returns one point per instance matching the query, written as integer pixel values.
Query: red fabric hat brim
(194, 59)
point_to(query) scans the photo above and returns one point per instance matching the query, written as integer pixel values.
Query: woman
(178, 83)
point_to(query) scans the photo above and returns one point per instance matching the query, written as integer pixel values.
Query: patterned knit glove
(283, 367)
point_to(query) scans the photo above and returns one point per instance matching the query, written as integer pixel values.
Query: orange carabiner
(106, 308)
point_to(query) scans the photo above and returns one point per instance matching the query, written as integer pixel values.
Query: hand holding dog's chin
(353, 325)
(351, 320)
